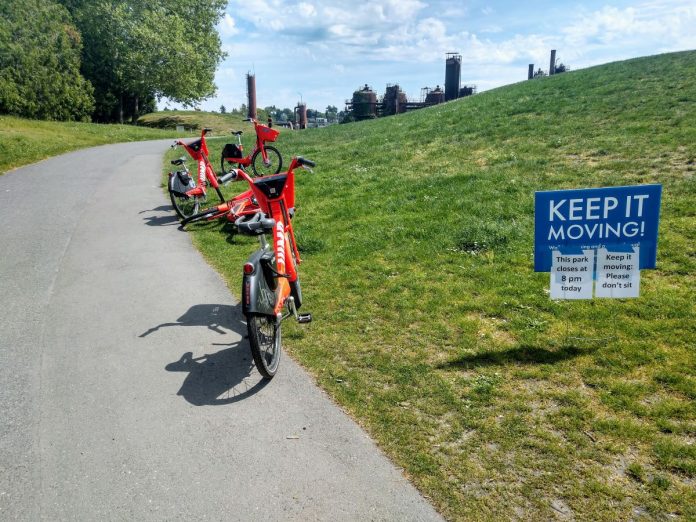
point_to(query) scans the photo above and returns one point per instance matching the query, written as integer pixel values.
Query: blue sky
(324, 50)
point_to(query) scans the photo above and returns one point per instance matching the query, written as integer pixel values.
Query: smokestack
(453, 75)
(552, 65)
(530, 73)
(251, 95)
(301, 118)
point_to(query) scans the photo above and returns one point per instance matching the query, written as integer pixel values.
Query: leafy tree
(137, 50)
(289, 114)
(223, 109)
(539, 73)
(40, 63)
(331, 113)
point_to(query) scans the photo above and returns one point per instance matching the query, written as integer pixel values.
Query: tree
(539, 73)
(138, 50)
(223, 109)
(40, 63)
(331, 113)
(289, 114)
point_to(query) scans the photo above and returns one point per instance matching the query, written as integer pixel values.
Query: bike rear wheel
(264, 339)
(275, 162)
(185, 206)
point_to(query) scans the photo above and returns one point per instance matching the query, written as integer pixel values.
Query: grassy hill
(196, 120)
(25, 141)
(432, 329)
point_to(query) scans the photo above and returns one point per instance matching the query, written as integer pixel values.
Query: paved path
(127, 389)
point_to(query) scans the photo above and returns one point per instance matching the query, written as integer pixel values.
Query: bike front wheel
(264, 339)
(272, 166)
(207, 214)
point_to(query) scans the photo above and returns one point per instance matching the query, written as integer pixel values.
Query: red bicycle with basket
(186, 192)
(271, 289)
(264, 159)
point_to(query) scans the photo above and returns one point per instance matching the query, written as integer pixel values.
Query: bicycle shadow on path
(216, 317)
(160, 220)
(221, 377)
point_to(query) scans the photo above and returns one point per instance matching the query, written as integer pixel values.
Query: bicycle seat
(258, 224)
(236, 133)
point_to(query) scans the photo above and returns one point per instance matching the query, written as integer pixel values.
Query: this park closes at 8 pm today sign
(619, 224)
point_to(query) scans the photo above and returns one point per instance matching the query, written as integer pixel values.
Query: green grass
(219, 123)
(433, 331)
(25, 141)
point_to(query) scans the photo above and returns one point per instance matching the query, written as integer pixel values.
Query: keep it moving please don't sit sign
(614, 226)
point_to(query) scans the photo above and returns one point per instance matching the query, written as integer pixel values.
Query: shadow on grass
(517, 355)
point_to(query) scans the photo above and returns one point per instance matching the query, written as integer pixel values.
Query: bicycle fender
(257, 296)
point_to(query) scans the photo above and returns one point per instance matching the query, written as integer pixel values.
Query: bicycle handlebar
(228, 177)
(305, 162)
(257, 225)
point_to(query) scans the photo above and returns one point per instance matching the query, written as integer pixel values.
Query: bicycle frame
(276, 196)
(198, 150)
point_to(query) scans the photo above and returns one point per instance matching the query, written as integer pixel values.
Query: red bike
(264, 159)
(186, 192)
(241, 205)
(271, 288)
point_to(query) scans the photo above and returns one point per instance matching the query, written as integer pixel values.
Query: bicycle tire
(264, 340)
(184, 207)
(273, 155)
(209, 213)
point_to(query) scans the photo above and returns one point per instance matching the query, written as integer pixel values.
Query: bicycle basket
(195, 145)
(181, 183)
(231, 150)
(266, 133)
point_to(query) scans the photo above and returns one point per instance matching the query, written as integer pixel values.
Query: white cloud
(665, 24)
(306, 9)
(339, 45)
(227, 26)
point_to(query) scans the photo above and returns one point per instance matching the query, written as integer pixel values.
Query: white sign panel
(571, 275)
(618, 273)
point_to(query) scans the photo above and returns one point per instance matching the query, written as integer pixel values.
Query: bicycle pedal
(304, 318)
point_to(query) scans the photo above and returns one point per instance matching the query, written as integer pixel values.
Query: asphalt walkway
(128, 390)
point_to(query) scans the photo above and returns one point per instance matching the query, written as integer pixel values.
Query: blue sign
(615, 218)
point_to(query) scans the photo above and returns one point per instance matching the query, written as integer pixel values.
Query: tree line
(106, 60)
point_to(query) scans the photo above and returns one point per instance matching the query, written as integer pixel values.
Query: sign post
(618, 223)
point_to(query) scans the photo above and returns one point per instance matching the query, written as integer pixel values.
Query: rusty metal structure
(365, 104)
(394, 101)
(251, 95)
(301, 115)
(453, 75)
(435, 96)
